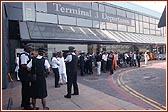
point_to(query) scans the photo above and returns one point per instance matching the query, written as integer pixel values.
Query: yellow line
(134, 93)
(142, 95)
(145, 97)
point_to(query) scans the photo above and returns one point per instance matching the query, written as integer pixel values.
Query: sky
(153, 5)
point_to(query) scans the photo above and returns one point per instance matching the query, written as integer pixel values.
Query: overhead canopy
(52, 33)
(59, 33)
(124, 37)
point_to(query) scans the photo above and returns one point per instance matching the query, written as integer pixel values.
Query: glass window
(137, 27)
(28, 11)
(156, 26)
(121, 13)
(67, 20)
(84, 4)
(140, 17)
(102, 25)
(110, 10)
(96, 24)
(162, 31)
(41, 6)
(146, 31)
(146, 19)
(141, 27)
(146, 25)
(84, 22)
(101, 8)
(152, 20)
(136, 17)
(157, 32)
(43, 17)
(122, 27)
(165, 31)
(131, 29)
(130, 15)
(95, 6)
(152, 26)
(111, 26)
(132, 22)
(157, 21)
(152, 32)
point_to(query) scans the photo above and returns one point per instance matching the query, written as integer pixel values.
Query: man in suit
(71, 69)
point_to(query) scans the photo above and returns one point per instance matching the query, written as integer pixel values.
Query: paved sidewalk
(89, 98)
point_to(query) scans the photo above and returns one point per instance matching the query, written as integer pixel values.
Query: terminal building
(88, 26)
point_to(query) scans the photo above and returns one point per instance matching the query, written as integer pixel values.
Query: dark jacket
(71, 67)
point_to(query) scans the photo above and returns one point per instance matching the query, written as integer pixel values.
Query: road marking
(138, 95)
(92, 79)
(125, 95)
(135, 95)
(145, 97)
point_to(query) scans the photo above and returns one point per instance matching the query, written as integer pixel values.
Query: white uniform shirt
(126, 56)
(104, 57)
(134, 56)
(55, 62)
(46, 63)
(69, 57)
(24, 58)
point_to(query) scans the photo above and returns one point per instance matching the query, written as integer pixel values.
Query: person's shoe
(22, 105)
(61, 84)
(46, 108)
(65, 83)
(36, 108)
(57, 86)
(28, 108)
(67, 96)
(75, 94)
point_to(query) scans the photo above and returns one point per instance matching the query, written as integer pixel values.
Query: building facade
(89, 26)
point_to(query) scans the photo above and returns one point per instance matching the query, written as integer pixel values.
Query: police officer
(38, 66)
(71, 69)
(24, 76)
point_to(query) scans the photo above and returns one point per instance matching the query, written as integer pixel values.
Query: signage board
(74, 11)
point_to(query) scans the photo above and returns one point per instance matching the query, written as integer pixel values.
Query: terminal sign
(74, 11)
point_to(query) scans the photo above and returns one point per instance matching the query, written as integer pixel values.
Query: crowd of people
(32, 70)
(109, 61)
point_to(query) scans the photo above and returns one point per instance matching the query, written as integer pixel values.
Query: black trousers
(56, 72)
(104, 66)
(82, 69)
(110, 63)
(72, 80)
(138, 63)
(25, 93)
